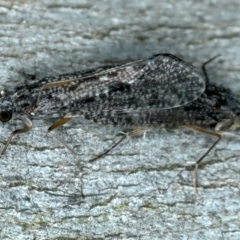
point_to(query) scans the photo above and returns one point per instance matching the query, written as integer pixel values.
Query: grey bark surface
(142, 189)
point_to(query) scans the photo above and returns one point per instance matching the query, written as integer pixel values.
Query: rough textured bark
(142, 189)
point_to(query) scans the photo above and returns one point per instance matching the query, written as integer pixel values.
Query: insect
(160, 91)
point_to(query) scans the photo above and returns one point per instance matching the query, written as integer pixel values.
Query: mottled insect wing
(163, 78)
(162, 81)
(167, 82)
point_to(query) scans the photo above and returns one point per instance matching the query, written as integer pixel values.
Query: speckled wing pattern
(162, 81)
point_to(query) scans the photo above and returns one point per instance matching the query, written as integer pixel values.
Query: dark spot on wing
(120, 87)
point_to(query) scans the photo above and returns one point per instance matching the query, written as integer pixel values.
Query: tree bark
(142, 189)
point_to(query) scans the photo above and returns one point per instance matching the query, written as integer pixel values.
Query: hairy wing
(162, 81)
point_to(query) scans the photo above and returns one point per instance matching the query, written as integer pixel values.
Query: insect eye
(5, 116)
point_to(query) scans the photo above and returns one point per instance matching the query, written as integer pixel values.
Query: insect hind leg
(214, 134)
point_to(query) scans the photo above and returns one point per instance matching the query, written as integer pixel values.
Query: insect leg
(214, 134)
(57, 124)
(135, 132)
(27, 127)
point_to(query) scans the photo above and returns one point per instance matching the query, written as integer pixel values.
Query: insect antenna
(204, 68)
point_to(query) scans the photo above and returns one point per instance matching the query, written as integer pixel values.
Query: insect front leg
(27, 127)
(50, 85)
